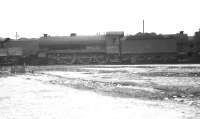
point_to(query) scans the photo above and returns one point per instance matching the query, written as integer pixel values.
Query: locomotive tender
(110, 48)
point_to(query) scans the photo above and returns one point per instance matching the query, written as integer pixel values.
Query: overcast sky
(32, 18)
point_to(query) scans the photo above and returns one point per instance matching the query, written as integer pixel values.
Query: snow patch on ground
(31, 96)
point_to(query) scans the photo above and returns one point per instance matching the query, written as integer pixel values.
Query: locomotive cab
(113, 46)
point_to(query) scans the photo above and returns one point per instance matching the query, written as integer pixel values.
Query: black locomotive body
(73, 49)
(111, 48)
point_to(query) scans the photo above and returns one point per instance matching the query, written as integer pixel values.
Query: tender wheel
(101, 59)
(133, 60)
(84, 60)
(70, 60)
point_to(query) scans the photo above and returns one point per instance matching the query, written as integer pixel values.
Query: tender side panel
(3, 52)
(15, 51)
(149, 46)
(28, 47)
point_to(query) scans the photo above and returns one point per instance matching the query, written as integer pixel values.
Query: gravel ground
(102, 91)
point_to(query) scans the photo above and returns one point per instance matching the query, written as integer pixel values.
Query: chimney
(45, 35)
(181, 32)
(73, 34)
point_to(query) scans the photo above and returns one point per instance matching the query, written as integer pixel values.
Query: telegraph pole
(16, 36)
(143, 26)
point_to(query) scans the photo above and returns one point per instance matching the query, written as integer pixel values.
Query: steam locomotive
(110, 48)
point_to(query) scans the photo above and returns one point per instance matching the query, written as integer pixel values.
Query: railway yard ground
(102, 92)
